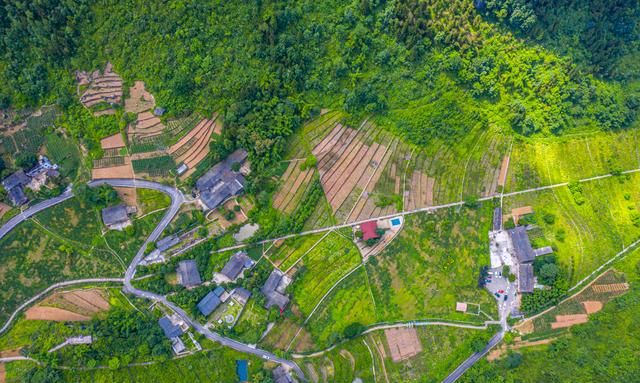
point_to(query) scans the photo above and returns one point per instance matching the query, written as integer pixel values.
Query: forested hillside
(430, 70)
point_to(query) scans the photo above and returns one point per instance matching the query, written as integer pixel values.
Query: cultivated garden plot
(540, 161)
(577, 309)
(586, 224)
(321, 268)
(193, 147)
(146, 126)
(295, 182)
(28, 136)
(98, 91)
(286, 253)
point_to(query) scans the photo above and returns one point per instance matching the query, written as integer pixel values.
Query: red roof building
(369, 230)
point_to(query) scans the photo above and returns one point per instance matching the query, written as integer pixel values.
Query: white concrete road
(177, 199)
(33, 210)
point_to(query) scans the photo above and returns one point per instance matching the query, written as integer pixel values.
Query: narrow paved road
(177, 199)
(399, 325)
(462, 368)
(35, 209)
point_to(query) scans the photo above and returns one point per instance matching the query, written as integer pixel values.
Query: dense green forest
(430, 70)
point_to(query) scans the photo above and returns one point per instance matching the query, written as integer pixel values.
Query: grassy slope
(594, 231)
(419, 276)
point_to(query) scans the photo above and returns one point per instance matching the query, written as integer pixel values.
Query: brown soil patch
(139, 99)
(502, 178)
(304, 342)
(498, 352)
(403, 343)
(53, 314)
(592, 306)
(527, 327)
(4, 208)
(3, 373)
(128, 196)
(9, 353)
(520, 211)
(122, 171)
(112, 142)
(611, 287)
(563, 321)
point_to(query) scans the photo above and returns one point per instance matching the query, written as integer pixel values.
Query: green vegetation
(443, 348)
(64, 152)
(321, 268)
(64, 243)
(596, 351)
(433, 263)
(592, 221)
(156, 166)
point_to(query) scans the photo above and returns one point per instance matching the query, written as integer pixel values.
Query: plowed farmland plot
(543, 162)
(102, 89)
(291, 250)
(321, 268)
(347, 160)
(194, 146)
(313, 132)
(177, 128)
(592, 296)
(295, 184)
(383, 191)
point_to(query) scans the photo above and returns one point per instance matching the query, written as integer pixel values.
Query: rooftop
(170, 330)
(188, 274)
(114, 215)
(369, 230)
(521, 245)
(497, 218)
(17, 196)
(235, 265)
(242, 295)
(18, 178)
(209, 303)
(525, 278)
(167, 242)
(242, 369)
(274, 297)
(221, 182)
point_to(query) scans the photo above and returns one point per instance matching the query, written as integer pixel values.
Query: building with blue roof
(209, 303)
(242, 369)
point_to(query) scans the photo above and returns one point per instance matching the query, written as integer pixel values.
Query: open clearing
(53, 314)
(403, 343)
(139, 99)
